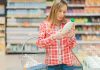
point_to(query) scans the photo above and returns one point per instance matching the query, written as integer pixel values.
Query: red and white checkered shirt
(56, 54)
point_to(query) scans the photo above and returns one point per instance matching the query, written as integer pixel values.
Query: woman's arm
(72, 39)
(44, 41)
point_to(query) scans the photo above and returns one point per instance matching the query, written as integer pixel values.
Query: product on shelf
(78, 37)
(2, 20)
(81, 20)
(2, 45)
(26, 24)
(2, 10)
(76, 1)
(75, 10)
(92, 2)
(90, 38)
(2, 23)
(79, 28)
(26, 0)
(92, 9)
(95, 20)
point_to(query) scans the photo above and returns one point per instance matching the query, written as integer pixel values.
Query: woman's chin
(59, 19)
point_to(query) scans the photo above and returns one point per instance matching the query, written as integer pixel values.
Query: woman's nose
(62, 14)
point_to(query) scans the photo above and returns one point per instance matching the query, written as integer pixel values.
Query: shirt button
(59, 53)
(60, 59)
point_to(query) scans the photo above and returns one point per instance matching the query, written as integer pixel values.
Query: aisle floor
(13, 61)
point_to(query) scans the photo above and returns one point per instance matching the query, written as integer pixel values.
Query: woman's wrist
(52, 37)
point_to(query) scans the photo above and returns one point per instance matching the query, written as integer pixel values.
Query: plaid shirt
(57, 51)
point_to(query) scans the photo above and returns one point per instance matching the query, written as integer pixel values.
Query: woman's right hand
(57, 35)
(71, 34)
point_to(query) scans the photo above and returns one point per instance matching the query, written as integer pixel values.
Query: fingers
(71, 34)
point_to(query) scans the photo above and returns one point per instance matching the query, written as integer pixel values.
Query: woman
(58, 47)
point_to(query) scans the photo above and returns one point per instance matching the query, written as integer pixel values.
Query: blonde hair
(54, 9)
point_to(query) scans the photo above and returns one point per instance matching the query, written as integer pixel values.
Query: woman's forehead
(63, 8)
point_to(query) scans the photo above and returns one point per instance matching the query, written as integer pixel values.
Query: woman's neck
(58, 23)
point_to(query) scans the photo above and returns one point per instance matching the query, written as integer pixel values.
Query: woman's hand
(71, 34)
(57, 35)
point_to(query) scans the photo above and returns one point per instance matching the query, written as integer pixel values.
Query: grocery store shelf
(73, 5)
(2, 23)
(20, 42)
(87, 32)
(96, 5)
(49, 4)
(2, 36)
(44, 16)
(88, 42)
(86, 24)
(2, 15)
(26, 16)
(2, 1)
(20, 8)
(25, 1)
(80, 14)
(2, 29)
(23, 25)
(69, 5)
(18, 31)
(37, 24)
(25, 52)
(27, 8)
(76, 5)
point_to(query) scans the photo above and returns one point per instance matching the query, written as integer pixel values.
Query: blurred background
(20, 19)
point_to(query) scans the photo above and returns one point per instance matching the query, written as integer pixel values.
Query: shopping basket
(32, 64)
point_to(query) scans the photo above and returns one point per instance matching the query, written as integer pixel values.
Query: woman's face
(61, 12)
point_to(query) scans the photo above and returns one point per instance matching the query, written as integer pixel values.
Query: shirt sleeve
(72, 42)
(44, 41)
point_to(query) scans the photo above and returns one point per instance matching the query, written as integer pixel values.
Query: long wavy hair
(57, 5)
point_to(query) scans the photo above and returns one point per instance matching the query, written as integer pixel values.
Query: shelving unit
(87, 33)
(2, 23)
(23, 18)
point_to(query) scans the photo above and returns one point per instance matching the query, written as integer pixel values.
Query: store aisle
(13, 61)
(10, 62)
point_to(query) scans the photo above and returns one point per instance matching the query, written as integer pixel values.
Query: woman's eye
(60, 11)
(64, 12)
